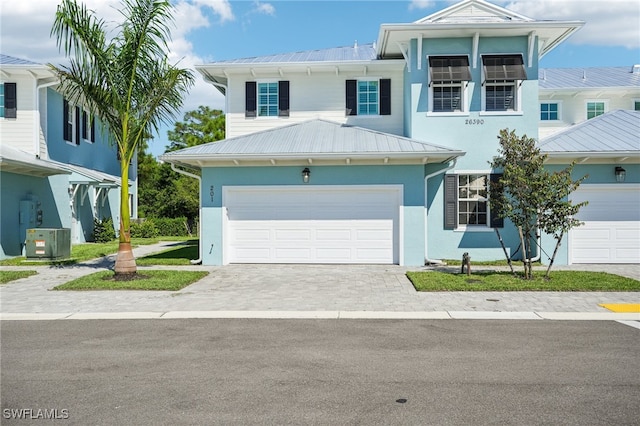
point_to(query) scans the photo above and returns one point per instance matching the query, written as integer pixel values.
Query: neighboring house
(570, 96)
(57, 167)
(373, 153)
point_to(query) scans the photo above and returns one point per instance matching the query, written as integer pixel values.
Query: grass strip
(175, 256)
(7, 276)
(505, 281)
(143, 280)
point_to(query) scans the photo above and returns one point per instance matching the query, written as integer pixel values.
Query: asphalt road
(203, 372)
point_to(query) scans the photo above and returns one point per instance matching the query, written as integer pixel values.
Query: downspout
(36, 136)
(184, 172)
(426, 198)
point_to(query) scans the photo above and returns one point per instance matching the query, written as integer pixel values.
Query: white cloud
(421, 4)
(264, 8)
(222, 8)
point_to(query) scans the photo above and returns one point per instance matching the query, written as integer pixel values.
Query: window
(466, 201)
(595, 108)
(368, 97)
(549, 111)
(501, 76)
(636, 105)
(88, 127)
(70, 121)
(8, 100)
(267, 99)
(448, 75)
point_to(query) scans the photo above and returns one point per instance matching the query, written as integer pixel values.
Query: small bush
(103, 230)
(146, 229)
(178, 227)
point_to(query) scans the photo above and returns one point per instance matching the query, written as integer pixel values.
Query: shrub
(145, 229)
(173, 226)
(103, 230)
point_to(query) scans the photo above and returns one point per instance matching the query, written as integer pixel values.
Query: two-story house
(58, 168)
(372, 153)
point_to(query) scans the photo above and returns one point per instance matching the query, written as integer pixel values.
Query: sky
(211, 30)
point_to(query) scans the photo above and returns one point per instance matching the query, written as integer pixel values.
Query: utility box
(49, 244)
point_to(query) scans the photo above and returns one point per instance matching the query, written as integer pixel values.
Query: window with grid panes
(594, 109)
(548, 111)
(268, 99)
(472, 200)
(368, 97)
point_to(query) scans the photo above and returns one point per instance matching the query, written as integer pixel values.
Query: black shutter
(93, 129)
(250, 99)
(351, 103)
(385, 96)
(495, 221)
(450, 201)
(77, 123)
(10, 100)
(283, 99)
(85, 121)
(66, 131)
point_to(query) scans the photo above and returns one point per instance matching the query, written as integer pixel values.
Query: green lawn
(7, 276)
(181, 255)
(146, 280)
(505, 281)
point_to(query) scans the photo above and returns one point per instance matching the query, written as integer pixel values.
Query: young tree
(126, 80)
(198, 127)
(529, 195)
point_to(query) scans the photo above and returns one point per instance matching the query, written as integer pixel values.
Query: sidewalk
(297, 291)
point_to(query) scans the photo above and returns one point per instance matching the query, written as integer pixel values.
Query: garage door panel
(611, 230)
(313, 225)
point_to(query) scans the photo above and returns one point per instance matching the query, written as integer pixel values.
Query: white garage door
(312, 224)
(611, 230)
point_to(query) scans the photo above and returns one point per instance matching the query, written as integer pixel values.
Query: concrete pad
(588, 316)
(634, 324)
(253, 314)
(114, 315)
(494, 315)
(32, 316)
(393, 315)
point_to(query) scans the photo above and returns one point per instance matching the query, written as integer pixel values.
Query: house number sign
(474, 121)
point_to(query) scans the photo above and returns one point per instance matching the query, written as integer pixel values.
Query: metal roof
(14, 160)
(365, 52)
(82, 175)
(313, 140)
(10, 60)
(584, 78)
(616, 133)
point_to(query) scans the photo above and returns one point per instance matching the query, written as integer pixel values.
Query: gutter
(36, 136)
(184, 172)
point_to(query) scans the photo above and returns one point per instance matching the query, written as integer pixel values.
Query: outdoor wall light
(305, 175)
(621, 174)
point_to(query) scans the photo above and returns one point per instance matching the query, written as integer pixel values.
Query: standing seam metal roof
(10, 60)
(365, 52)
(584, 78)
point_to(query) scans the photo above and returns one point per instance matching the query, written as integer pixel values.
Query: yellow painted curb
(622, 307)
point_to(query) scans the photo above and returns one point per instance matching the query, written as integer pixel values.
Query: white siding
(319, 95)
(20, 132)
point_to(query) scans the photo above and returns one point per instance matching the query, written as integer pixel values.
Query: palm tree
(126, 80)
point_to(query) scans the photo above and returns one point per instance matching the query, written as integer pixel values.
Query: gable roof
(312, 142)
(11, 65)
(611, 135)
(10, 60)
(589, 78)
(473, 18)
(364, 52)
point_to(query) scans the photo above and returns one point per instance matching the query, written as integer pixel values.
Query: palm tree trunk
(125, 261)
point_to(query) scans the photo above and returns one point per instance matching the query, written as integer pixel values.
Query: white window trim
(544, 101)
(483, 99)
(633, 103)
(474, 228)
(358, 80)
(72, 114)
(88, 138)
(264, 117)
(603, 101)
(464, 96)
(2, 84)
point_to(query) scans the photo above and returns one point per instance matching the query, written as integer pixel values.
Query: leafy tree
(531, 196)
(126, 80)
(201, 126)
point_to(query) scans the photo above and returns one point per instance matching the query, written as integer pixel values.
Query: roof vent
(584, 74)
(635, 69)
(355, 45)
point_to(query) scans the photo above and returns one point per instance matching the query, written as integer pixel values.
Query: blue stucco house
(58, 168)
(375, 153)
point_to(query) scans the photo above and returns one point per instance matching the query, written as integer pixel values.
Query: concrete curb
(387, 315)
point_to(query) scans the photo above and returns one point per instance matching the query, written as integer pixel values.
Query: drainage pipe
(186, 173)
(426, 198)
(36, 131)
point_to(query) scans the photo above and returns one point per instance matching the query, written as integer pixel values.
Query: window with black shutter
(67, 122)
(501, 74)
(10, 100)
(368, 97)
(283, 98)
(250, 99)
(466, 201)
(77, 127)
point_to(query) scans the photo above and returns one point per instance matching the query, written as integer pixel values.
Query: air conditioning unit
(50, 244)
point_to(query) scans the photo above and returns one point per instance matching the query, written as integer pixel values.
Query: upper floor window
(549, 111)
(267, 99)
(70, 123)
(368, 97)
(595, 108)
(501, 76)
(466, 201)
(636, 105)
(88, 127)
(8, 100)
(448, 77)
